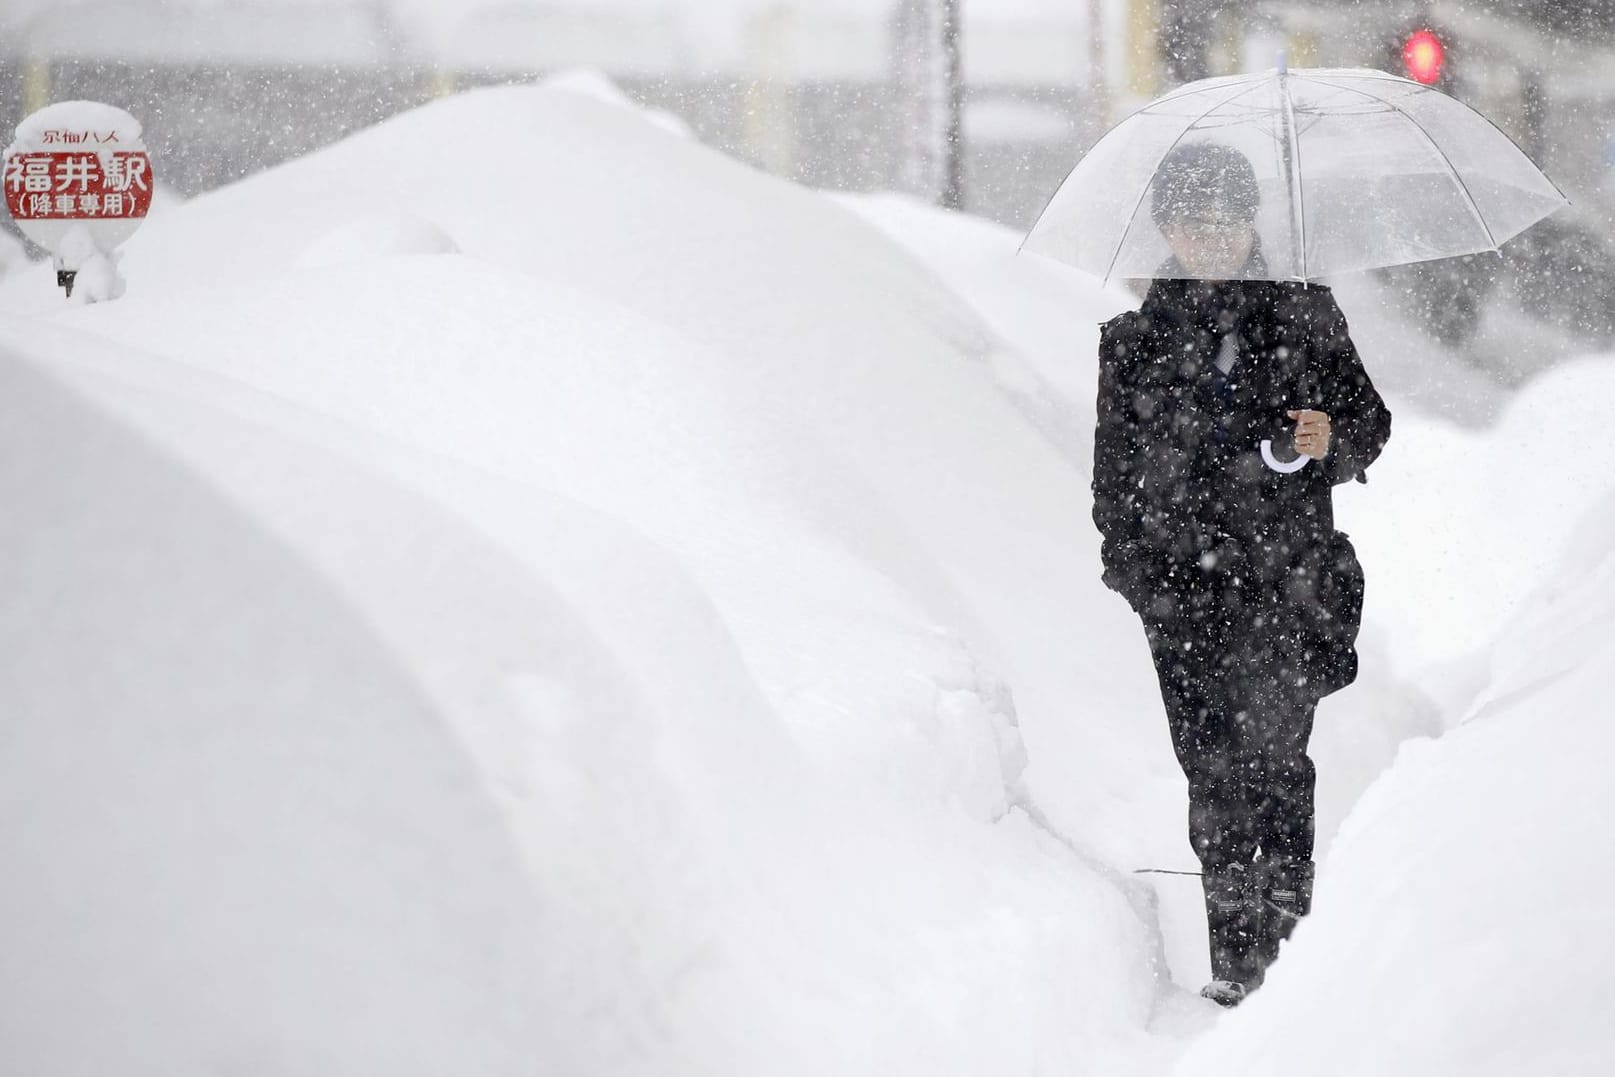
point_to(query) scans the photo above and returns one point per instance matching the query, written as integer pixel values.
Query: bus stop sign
(78, 180)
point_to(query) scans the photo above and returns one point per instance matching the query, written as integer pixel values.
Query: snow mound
(379, 235)
(1442, 483)
(96, 278)
(240, 839)
(13, 254)
(728, 573)
(596, 84)
(1465, 903)
(733, 398)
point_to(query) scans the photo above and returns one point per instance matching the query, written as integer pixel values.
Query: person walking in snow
(1228, 409)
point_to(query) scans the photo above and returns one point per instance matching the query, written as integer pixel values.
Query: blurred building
(228, 88)
(222, 91)
(1543, 71)
(1545, 74)
(805, 90)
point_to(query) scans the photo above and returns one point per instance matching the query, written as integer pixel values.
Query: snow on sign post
(78, 182)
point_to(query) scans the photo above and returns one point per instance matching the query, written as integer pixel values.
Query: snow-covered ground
(518, 591)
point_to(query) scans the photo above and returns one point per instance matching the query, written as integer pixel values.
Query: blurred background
(982, 105)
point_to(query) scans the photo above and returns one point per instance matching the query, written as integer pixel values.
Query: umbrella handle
(1278, 465)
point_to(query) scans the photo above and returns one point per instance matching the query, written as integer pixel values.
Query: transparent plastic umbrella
(1356, 169)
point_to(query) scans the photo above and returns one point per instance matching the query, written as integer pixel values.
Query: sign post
(78, 181)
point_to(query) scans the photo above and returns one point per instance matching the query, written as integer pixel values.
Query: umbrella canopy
(1351, 169)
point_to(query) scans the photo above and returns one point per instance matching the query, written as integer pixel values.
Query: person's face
(1214, 248)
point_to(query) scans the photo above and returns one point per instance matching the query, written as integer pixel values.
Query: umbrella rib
(1452, 169)
(1122, 242)
(1292, 163)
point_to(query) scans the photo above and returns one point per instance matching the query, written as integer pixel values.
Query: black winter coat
(1207, 542)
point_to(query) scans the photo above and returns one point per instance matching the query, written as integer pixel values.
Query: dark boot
(1234, 924)
(1286, 893)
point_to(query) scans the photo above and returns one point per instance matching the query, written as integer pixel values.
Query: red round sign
(78, 168)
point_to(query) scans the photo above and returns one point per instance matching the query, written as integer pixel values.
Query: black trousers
(1240, 734)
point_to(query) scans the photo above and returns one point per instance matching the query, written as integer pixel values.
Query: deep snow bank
(1470, 523)
(703, 534)
(236, 833)
(817, 378)
(678, 895)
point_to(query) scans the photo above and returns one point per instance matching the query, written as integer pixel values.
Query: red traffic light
(1423, 56)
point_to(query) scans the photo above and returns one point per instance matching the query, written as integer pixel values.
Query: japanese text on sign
(77, 185)
(57, 137)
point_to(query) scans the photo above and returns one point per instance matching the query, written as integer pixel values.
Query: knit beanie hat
(1204, 179)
